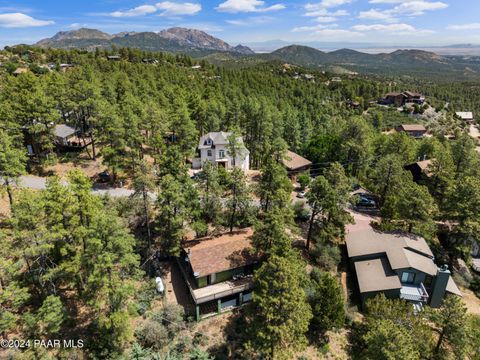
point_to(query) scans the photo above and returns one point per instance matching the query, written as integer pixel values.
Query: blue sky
(394, 22)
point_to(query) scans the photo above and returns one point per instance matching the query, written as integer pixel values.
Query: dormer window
(208, 141)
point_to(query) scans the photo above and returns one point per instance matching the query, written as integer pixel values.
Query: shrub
(303, 180)
(145, 297)
(172, 317)
(152, 335)
(327, 256)
(301, 212)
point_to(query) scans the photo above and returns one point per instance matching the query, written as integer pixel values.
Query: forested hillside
(74, 265)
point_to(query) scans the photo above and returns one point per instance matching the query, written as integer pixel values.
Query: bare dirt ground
(82, 162)
(475, 134)
(471, 301)
(176, 291)
(4, 206)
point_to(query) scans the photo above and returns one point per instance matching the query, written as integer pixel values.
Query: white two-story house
(214, 147)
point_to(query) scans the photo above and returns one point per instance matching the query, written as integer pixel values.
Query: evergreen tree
(450, 322)
(12, 162)
(328, 198)
(238, 206)
(280, 313)
(326, 300)
(387, 340)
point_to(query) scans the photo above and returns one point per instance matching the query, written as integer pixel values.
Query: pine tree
(238, 206)
(387, 340)
(12, 162)
(280, 313)
(326, 300)
(450, 322)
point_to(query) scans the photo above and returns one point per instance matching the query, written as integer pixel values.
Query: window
(221, 154)
(408, 277)
(208, 142)
(209, 153)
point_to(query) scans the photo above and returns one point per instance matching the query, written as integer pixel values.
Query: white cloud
(167, 8)
(237, 6)
(415, 8)
(375, 14)
(472, 26)
(388, 1)
(138, 11)
(329, 3)
(322, 13)
(395, 29)
(173, 8)
(405, 8)
(326, 19)
(77, 26)
(19, 20)
(251, 21)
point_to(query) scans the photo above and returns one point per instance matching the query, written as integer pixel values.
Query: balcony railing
(412, 292)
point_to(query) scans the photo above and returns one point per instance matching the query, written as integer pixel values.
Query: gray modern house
(399, 266)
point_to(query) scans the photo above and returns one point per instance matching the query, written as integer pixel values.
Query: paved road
(39, 183)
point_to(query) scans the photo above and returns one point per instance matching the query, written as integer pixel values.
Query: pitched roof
(219, 138)
(412, 127)
(294, 161)
(465, 115)
(376, 275)
(225, 252)
(452, 288)
(412, 94)
(402, 251)
(63, 131)
(423, 166)
(20, 70)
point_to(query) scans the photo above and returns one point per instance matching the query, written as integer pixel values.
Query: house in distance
(466, 116)
(215, 147)
(401, 99)
(414, 130)
(295, 164)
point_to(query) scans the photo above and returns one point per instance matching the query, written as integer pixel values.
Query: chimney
(439, 286)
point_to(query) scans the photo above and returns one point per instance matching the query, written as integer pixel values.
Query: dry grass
(4, 207)
(83, 162)
(471, 301)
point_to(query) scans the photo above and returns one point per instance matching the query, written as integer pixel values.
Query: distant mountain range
(173, 40)
(196, 43)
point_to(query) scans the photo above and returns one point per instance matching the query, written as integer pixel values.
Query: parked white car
(160, 287)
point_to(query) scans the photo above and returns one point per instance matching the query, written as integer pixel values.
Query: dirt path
(474, 132)
(175, 287)
(471, 301)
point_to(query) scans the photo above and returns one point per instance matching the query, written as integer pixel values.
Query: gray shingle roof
(64, 131)
(403, 251)
(376, 275)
